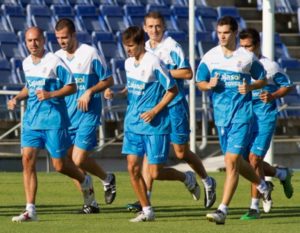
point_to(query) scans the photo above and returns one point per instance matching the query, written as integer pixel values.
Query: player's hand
(83, 101)
(11, 104)
(108, 94)
(213, 82)
(244, 88)
(43, 95)
(148, 116)
(266, 97)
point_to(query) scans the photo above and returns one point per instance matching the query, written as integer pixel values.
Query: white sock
(147, 210)
(223, 208)
(207, 182)
(262, 187)
(30, 207)
(281, 173)
(255, 204)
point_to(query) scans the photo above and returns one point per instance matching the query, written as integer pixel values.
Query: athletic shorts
(261, 137)
(84, 138)
(155, 147)
(56, 141)
(235, 138)
(180, 127)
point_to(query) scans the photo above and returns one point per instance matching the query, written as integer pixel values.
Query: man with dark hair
(147, 124)
(84, 107)
(45, 123)
(264, 123)
(172, 55)
(226, 71)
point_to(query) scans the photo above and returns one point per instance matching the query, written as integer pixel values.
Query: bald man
(45, 121)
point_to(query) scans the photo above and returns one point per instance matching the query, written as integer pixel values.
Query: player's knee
(155, 173)
(58, 166)
(134, 170)
(255, 160)
(181, 152)
(28, 162)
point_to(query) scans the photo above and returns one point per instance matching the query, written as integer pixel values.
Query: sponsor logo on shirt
(80, 83)
(36, 83)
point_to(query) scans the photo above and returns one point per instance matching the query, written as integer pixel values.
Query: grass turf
(58, 201)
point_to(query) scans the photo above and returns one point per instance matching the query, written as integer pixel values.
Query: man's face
(225, 35)
(65, 39)
(133, 49)
(34, 42)
(247, 44)
(154, 28)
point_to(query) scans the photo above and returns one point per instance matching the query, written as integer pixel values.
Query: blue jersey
(276, 78)
(146, 85)
(50, 74)
(88, 68)
(172, 55)
(228, 104)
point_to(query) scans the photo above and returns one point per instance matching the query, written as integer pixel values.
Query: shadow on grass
(10, 210)
(234, 213)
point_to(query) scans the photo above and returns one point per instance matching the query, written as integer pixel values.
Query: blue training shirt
(172, 55)
(50, 74)
(147, 83)
(276, 78)
(228, 104)
(88, 68)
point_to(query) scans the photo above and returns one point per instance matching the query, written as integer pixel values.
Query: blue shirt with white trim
(50, 74)
(276, 78)
(147, 83)
(88, 68)
(228, 104)
(172, 55)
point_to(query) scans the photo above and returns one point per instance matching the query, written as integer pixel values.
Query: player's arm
(281, 92)
(244, 88)
(167, 98)
(258, 73)
(23, 94)
(258, 84)
(110, 94)
(64, 91)
(184, 73)
(207, 86)
(85, 98)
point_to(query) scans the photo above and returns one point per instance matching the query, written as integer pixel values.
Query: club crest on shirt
(143, 73)
(79, 66)
(239, 64)
(44, 71)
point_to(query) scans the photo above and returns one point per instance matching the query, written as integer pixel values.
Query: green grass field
(58, 200)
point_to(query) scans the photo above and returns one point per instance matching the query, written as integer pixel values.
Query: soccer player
(226, 71)
(45, 121)
(172, 55)
(147, 124)
(264, 122)
(84, 107)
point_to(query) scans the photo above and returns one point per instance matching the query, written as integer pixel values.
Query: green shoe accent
(287, 184)
(251, 215)
(134, 207)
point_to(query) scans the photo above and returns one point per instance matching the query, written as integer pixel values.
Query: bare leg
(183, 152)
(269, 170)
(137, 180)
(158, 172)
(257, 164)
(146, 174)
(29, 173)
